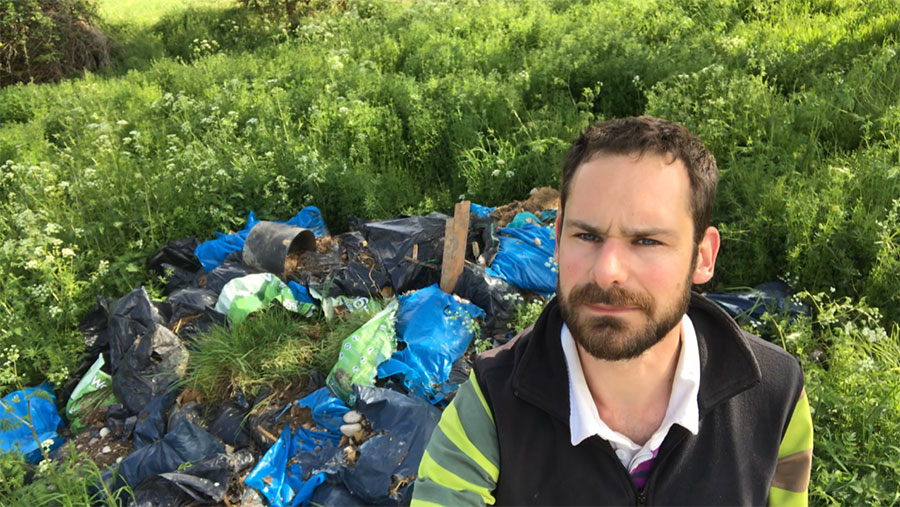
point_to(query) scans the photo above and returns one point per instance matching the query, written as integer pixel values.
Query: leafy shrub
(850, 363)
(45, 40)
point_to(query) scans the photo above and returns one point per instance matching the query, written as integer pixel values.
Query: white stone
(106, 449)
(103, 432)
(352, 417)
(350, 429)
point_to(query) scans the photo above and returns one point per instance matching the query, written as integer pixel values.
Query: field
(375, 107)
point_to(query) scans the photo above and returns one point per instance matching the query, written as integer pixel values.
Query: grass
(270, 347)
(145, 13)
(380, 107)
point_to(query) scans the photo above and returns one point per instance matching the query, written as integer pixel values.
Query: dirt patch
(90, 444)
(541, 199)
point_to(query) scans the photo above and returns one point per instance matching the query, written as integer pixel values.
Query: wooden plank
(455, 235)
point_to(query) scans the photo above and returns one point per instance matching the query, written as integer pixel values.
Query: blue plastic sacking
(272, 477)
(481, 211)
(437, 330)
(44, 418)
(327, 409)
(213, 252)
(279, 477)
(524, 218)
(310, 218)
(525, 258)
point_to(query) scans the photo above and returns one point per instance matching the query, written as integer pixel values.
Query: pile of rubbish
(350, 436)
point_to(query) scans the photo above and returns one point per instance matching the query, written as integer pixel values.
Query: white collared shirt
(584, 420)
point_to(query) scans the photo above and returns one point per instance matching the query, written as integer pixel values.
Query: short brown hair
(645, 134)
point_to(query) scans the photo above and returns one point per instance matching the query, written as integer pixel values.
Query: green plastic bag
(242, 296)
(362, 352)
(92, 393)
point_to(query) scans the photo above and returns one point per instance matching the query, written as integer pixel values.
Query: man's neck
(632, 396)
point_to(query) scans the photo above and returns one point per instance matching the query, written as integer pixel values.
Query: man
(629, 389)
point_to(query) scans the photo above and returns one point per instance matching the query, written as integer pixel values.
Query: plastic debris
(773, 297)
(496, 297)
(213, 252)
(526, 258)
(185, 442)
(409, 248)
(153, 362)
(177, 264)
(130, 317)
(437, 329)
(525, 218)
(91, 394)
(26, 413)
(242, 296)
(362, 352)
(277, 480)
(205, 482)
(481, 211)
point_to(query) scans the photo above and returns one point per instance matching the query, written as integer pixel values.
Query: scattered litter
(362, 352)
(526, 258)
(28, 421)
(358, 439)
(242, 296)
(437, 329)
(773, 297)
(91, 395)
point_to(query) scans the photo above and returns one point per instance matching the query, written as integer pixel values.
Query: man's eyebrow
(630, 232)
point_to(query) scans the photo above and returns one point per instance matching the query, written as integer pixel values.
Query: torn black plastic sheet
(148, 367)
(410, 248)
(184, 443)
(205, 482)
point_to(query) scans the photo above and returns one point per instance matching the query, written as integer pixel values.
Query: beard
(611, 338)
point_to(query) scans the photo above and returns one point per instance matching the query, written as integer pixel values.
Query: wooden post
(455, 235)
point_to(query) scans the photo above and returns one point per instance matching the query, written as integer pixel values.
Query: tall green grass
(385, 107)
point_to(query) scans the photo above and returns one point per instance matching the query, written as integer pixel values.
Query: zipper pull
(641, 498)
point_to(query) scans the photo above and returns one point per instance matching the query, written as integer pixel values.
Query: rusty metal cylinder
(274, 247)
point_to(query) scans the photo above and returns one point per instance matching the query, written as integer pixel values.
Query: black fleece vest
(748, 389)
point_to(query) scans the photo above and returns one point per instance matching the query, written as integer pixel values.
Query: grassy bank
(380, 107)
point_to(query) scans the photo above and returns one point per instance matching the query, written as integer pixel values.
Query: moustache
(592, 294)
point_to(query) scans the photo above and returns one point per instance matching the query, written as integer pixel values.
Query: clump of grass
(271, 346)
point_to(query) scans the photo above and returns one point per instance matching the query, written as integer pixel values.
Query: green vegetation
(270, 347)
(375, 107)
(46, 40)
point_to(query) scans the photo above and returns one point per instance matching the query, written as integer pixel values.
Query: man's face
(626, 253)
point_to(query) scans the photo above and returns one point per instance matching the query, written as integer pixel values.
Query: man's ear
(707, 251)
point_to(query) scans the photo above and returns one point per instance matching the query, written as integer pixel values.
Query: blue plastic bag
(327, 409)
(280, 478)
(481, 211)
(525, 258)
(211, 253)
(43, 418)
(272, 477)
(310, 218)
(524, 218)
(301, 293)
(437, 330)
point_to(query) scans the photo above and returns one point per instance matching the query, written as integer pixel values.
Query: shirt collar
(584, 421)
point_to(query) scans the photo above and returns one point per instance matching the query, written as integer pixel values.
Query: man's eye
(587, 237)
(647, 242)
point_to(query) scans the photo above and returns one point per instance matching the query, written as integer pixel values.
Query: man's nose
(611, 264)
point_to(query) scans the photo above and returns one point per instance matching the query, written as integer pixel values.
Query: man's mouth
(610, 309)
